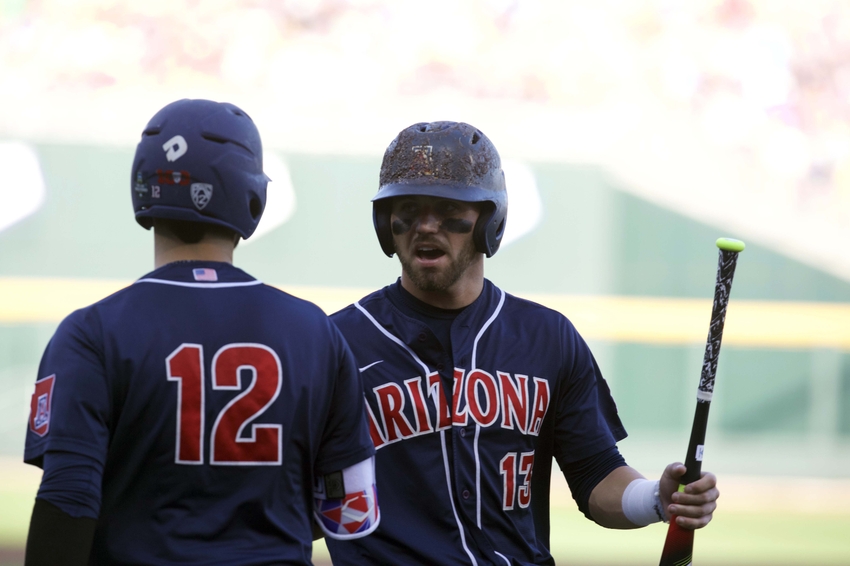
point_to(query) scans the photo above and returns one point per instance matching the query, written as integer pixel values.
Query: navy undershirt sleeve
(57, 538)
(72, 483)
(585, 474)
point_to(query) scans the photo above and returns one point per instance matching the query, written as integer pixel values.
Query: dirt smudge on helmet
(450, 160)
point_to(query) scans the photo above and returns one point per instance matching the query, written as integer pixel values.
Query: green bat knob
(730, 245)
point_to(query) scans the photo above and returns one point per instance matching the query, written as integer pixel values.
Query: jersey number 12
(229, 447)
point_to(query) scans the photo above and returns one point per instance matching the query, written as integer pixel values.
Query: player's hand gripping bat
(679, 545)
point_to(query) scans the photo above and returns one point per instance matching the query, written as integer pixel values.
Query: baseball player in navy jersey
(471, 392)
(197, 416)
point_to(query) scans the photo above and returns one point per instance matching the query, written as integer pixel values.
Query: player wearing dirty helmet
(472, 392)
(194, 416)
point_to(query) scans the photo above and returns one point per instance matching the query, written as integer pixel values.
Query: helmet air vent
(214, 138)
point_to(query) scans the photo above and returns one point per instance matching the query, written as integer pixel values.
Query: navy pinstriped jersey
(465, 444)
(210, 400)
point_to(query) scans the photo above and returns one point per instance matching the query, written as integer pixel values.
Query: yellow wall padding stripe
(654, 320)
(659, 320)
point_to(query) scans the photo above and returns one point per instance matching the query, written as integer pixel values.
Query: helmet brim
(442, 189)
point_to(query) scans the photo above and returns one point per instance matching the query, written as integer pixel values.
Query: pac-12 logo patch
(356, 513)
(201, 194)
(42, 398)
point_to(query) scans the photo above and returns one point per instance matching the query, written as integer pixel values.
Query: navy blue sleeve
(345, 440)
(71, 408)
(72, 483)
(584, 475)
(586, 422)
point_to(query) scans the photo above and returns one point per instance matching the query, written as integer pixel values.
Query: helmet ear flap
(488, 231)
(381, 220)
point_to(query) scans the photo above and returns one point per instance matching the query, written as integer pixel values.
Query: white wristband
(642, 503)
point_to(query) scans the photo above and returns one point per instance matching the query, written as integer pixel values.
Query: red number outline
(511, 492)
(265, 443)
(526, 465)
(507, 468)
(188, 449)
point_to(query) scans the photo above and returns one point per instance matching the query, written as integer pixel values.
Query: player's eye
(410, 209)
(449, 208)
(406, 207)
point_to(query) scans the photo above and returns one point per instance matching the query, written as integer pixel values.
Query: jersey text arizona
(516, 402)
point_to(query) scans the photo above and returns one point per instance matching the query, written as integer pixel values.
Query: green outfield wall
(593, 239)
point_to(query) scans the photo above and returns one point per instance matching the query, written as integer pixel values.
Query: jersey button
(463, 432)
(465, 494)
(422, 337)
(441, 367)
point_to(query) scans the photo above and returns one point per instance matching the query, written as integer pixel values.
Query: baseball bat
(679, 545)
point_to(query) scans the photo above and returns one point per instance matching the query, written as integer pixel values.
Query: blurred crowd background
(758, 89)
(640, 130)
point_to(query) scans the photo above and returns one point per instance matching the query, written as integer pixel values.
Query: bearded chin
(436, 281)
(431, 280)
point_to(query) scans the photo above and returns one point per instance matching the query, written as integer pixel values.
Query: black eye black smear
(400, 226)
(457, 225)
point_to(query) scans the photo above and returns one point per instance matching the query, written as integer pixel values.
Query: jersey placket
(455, 442)
(467, 464)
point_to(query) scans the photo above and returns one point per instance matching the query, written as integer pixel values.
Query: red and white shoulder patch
(42, 398)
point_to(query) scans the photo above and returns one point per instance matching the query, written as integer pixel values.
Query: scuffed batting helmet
(201, 161)
(449, 160)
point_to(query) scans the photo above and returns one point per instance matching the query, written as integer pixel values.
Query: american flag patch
(205, 274)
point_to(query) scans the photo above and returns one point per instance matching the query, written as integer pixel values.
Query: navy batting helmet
(449, 160)
(201, 161)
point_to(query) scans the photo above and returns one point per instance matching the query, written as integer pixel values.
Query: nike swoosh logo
(364, 368)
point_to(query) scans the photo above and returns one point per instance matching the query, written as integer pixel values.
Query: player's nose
(428, 221)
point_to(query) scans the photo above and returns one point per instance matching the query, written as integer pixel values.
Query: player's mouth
(428, 255)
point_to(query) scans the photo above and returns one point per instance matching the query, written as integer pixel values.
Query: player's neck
(168, 249)
(461, 294)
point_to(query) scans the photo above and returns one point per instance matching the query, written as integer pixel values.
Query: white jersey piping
(478, 426)
(386, 333)
(201, 285)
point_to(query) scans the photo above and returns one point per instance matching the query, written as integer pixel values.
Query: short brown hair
(192, 232)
